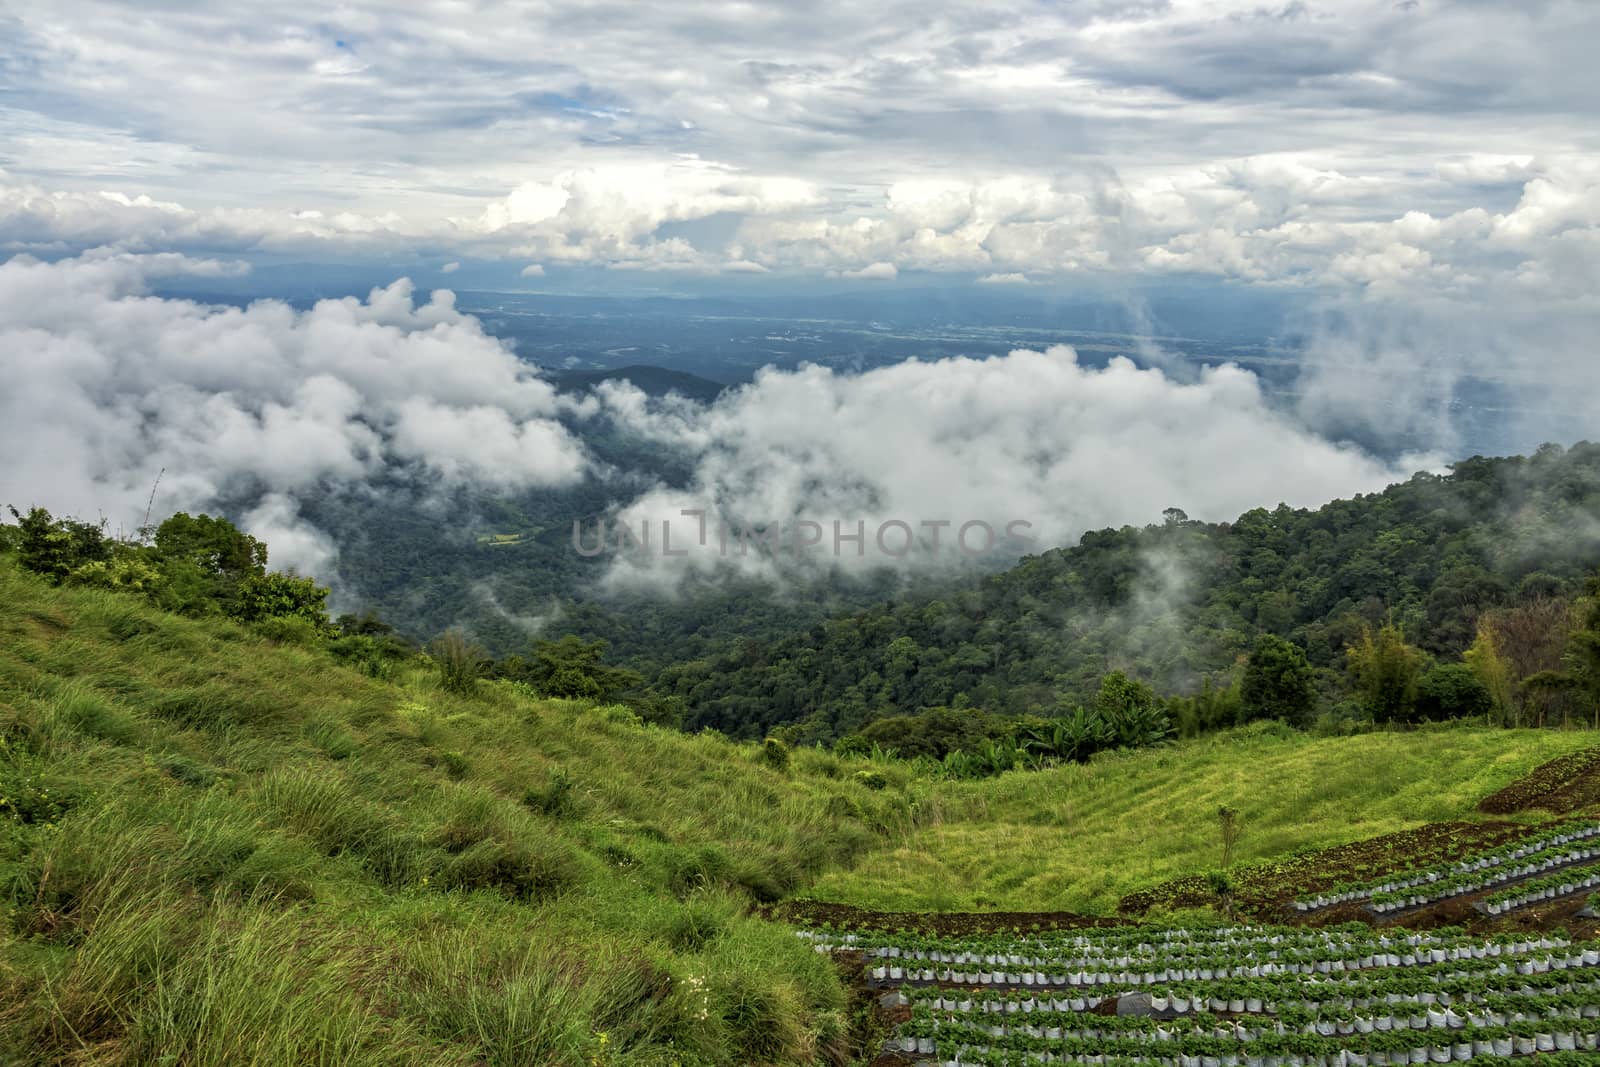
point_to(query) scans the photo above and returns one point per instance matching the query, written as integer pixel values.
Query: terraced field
(1372, 972)
(1256, 996)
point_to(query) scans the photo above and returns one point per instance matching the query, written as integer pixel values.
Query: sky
(1425, 172)
(1443, 146)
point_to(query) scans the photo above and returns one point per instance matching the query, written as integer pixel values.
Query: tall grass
(222, 849)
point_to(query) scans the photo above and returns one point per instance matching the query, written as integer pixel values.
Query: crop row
(1046, 1022)
(1106, 944)
(1553, 859)
(1531, 960)
(1551, 888)
(1325, 955)
(1487, 860)
(1348, 998)
(1240, 995)
(958, 1045)
(1002, 1058)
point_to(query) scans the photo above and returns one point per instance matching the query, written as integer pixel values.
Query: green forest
(1456, 594)
(1467, 595)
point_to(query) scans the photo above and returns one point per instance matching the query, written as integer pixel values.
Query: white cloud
(1032, 436)
(107, 387)
(450, 268)
(1271, 145)
(533, 270)
(1013, 278)
(873, 272)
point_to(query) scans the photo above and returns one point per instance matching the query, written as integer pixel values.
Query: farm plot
(1535, 856)
(1249, 996)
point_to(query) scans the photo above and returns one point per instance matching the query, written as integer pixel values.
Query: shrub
(514, 868)
(26, 795)
(871, 779)
(183, 769)
(703, 868)
(692, 925)
(289, 630)
(775, 753)
(1132, 711)
(57, 547)
(1452, 691)
(1385, 670)
(459, 661)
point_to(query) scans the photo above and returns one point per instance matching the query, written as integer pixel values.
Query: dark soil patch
(1266, 890)
(816, 914)
(1563, 785)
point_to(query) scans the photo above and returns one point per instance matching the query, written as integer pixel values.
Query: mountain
(1183, 603)
(219, 846)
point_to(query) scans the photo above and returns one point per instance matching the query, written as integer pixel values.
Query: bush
(871, 779)
(1452, 691)
(513, 868)
(331, 737)
(775, 753)
(57, 547)
(689, 871)
(459, 661)
(289, 630)
(1132, 711)
(454, 763)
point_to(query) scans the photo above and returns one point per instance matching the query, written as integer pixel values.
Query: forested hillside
(1493, 554)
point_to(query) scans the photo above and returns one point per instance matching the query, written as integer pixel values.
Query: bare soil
(1561, 786)
(1266, 891)
(816, 913)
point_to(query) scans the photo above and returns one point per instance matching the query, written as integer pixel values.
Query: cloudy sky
(1427, 171)
(1371, 145)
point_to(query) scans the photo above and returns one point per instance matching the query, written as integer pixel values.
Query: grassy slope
(240, 816)
(234, 851)
(1078, 838)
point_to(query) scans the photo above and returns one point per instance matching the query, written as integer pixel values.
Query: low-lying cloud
(257, 409)
(1032, 436)
(107, 387)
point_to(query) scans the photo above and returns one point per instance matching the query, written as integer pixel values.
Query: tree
(1278, 682)
(1132, 710)
(936, 732)
(1493, 672)
(1533, 637)
(572, 668)
(1452, 691)
(217, 546)
(1073, 737)
(275, 595)
(204, 562)
(1575, 685)
(1458, 598)
(57, 547)
(1385, 669)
